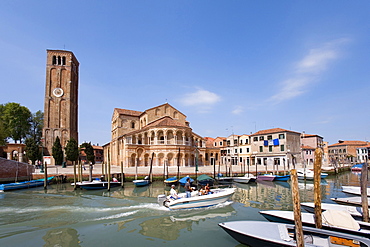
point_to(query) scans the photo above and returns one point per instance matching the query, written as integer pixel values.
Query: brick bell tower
(61, 99)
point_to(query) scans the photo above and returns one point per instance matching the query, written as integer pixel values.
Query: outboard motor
(161, 199)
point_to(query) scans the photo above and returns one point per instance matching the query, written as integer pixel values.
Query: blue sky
(230, 66)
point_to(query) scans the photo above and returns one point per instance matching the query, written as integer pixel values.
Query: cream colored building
(245, 150)
(161, 132)
(276, 147)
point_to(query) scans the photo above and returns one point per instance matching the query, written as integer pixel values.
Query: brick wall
(11, 171)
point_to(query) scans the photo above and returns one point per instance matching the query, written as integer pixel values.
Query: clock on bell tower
(61, 98)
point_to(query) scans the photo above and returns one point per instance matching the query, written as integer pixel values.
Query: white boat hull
(196, 201)
(242, 180)
(355, 190)
(308, 174)
(262, 233)
(309, 220)
(356, 212)
(350, 201)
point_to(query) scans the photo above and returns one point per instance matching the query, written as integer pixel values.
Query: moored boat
(282, 178)
(308, 174)
(262, 233)
(183, 180)
(25, 184)
(356, 212)
(354, 190)
(336, 220)
(96, 184)
(205, 179)
(355, 200)
(243, 180)
(357, 167)
(217, 196)
(225, 180)
(171, 181)
(266, 177)
(142, 182)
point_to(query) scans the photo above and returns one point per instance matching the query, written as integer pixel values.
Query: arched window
(54, 60)
(175, 114)
(63, 60)
(133, 125)
(59, 60)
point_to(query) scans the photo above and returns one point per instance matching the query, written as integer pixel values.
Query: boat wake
(74, 209)
(117, 216)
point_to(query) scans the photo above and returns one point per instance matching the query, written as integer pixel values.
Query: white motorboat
(355, 190)
(96, 184)
(355, 200)
(340, 221)
(141, 182)
(248, 177)
(263, 233)
(356, 212)
(308, 174)
(217, 196)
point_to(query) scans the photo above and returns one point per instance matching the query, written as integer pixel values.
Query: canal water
(130, 216)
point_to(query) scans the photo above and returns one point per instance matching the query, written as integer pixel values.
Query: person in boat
(187, 188)
(207, 189)
(173, 192)
(202, 191)
(115, 179)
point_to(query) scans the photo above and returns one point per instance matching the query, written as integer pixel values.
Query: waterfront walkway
(172, 170)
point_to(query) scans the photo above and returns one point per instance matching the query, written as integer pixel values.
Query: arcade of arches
(158, 136)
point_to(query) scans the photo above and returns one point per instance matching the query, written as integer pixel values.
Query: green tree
(89, 151)
(3, 134)
(57, 152)
(36, 126)
(33, 150)
(71, 150)
(72, 154)
(16, 120)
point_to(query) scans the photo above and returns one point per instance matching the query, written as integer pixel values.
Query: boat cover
(340, 219)
(204, 177)
(183, 180)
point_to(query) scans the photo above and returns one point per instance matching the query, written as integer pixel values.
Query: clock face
(58, 92)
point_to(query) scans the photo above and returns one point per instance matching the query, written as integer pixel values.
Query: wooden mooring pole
(121, 173)
(74, 175)
(108, 175)
(297, 209)
(45, 175)
(317, 188)
(365, 206)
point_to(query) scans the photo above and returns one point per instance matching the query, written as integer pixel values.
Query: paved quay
(159, 171)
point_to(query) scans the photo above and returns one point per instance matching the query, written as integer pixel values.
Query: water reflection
(169, 227)
(164, 228)
(62, 237)
(222, 211)
(267, 195)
